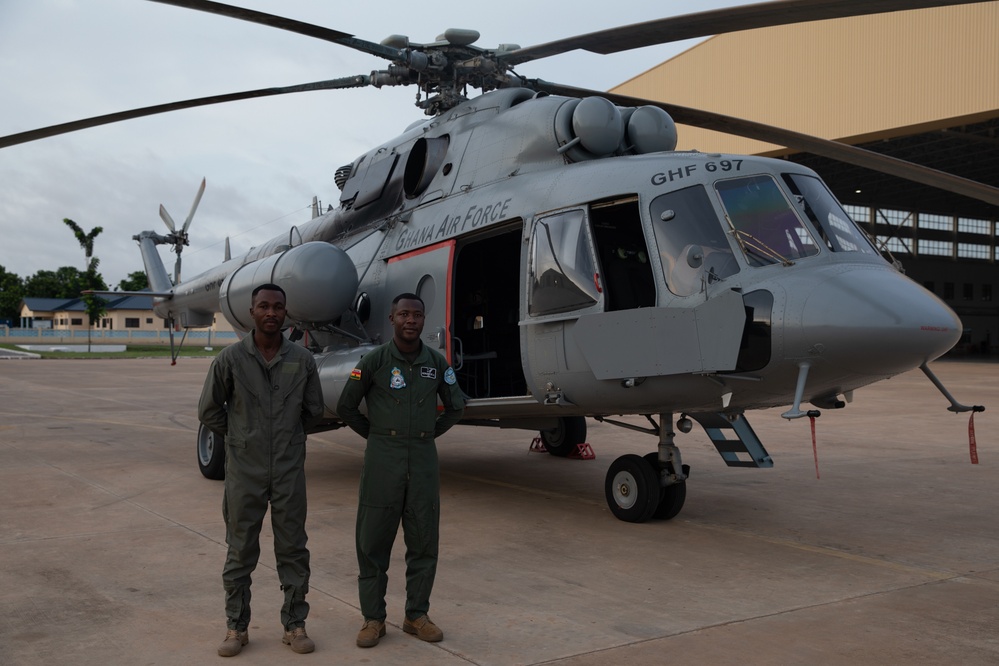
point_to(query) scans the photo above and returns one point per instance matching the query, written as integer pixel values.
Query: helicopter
(572, 262)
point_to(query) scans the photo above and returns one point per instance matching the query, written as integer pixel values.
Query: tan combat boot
(423, 628)
(233, 643)
(298, 640)
(370, 633)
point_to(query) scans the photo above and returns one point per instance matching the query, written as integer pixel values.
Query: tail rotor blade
(194, 206)
(167, 219)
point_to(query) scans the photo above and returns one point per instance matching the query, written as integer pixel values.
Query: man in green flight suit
(262, 394)
(400, 382)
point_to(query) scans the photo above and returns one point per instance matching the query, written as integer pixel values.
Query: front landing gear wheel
(211, 454)
(567, 435)
(632, 489)
(672, 496)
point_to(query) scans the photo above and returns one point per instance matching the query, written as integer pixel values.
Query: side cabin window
(691, 240)
(762, 220)
(837, 230)
(563, 269)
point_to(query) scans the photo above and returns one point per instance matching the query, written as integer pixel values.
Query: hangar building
(920, 85)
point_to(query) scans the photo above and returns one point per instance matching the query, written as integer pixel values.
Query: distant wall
(197, 338)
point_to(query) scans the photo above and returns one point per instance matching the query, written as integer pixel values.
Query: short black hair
(408, 297)
(268, 287)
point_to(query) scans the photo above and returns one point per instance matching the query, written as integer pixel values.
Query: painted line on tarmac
(526, 489)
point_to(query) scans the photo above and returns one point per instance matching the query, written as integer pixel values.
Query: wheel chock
(537, 446)
(583, 452)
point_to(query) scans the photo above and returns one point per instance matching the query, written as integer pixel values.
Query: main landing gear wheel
(566, 436)
(211, 454)
(672, 496)
(632, 489)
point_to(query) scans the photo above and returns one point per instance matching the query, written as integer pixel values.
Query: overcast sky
(264, 159)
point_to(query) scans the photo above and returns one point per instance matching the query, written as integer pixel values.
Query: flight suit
(263, 410)
(400, 478)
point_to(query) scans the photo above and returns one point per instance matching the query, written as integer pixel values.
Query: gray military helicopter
(573, 263)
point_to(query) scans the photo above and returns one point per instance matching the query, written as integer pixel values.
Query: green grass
(131, 351)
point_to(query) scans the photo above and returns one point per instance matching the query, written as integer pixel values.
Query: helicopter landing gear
(564, 439)
(211, 454)
(638, 488)
(673, 496)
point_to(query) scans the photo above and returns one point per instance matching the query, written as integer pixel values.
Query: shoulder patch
(355, 373)
(449, 377)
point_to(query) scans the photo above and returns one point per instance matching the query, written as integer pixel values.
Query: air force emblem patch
(449, 377)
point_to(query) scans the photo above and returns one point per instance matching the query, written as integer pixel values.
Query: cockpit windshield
(692, 245)
(839, 232)
(763, 221)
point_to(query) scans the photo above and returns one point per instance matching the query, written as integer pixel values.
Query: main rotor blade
(717, 22)
(262, 18)
(64, 128)
(798, 141)
(291, 25)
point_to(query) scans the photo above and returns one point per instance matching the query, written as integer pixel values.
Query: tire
(211, 454)
(567, 435)
(671, 497)
(632, 489)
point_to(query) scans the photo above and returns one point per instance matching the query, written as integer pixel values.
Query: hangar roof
(921, 85)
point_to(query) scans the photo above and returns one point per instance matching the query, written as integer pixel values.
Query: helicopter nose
(875, 321)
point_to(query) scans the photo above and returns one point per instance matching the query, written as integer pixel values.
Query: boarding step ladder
(744, 450)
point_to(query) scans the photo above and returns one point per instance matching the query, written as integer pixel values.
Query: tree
(86, 240)
(53, 284)
(11, 294)
(136, 281)
(66, 282)
(95, 305)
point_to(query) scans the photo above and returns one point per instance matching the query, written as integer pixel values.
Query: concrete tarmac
(112, 543)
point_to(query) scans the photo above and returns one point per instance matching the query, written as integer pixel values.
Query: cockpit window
(691, 241)
(563, 266)
(839, 232)
(766, 227)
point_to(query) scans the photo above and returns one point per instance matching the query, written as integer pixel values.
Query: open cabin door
(487, 282)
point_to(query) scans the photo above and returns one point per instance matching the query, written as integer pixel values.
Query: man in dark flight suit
(400, 383)
(262, 394)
